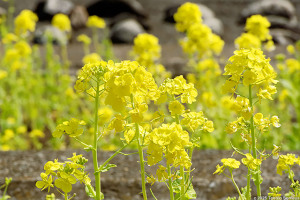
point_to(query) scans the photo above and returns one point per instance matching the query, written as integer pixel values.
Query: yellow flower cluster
(230, 163)
(146, 49)
(263, 123)
(96, 22)
(242, 107)
(200, 40)
(170, 140)
(84, 39)
(91, 71)
(195, 120)
(250, 162)
(73, 128)
(126, 82)
(62, 22)
(67, 174)
(234, 126)
(250, 66)
(91, 58)
(285, 161)
(187, 15)
(178, 87)
(257, 28)
(25, 22)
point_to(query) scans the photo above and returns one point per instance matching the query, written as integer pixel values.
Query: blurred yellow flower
(62, 22)
(95, 21)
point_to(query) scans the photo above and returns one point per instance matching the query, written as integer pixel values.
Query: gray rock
(2, 11)
(125, 31)
(284, 36)
(282, 8)
(58, 6)
(79, 17)
(58, 37)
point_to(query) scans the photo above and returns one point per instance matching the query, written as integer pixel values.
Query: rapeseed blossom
(84, 39)
(258, 26)
(230, 163)
(146, 49)
(250, 66)
(178, 86)
(25, 22)
(62, 22)
(170, 140)
(96, 22)
(187, 15)
(195, 120)
(252, 163)
(128, 80)
(285, 162)
(73, 128)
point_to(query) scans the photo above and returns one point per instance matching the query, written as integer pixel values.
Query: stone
(58, 36)
(79, 17)
(58, 6)
(46, 9)
(2, 11)
(282, 8)
(125, 31)
(112, 8)
(284, 36)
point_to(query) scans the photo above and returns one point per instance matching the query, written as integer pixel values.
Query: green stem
(95, 157)
(142, 162)
(96, 40)
(170, 183)
(182, 184)
(257, 182)
(237, 188)
(116, 153)
(66, 196)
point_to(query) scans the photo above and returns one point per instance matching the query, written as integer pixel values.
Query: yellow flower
(219, 170)
(187, 15)
(91, 58)
(36, 134)
(247, 41)
(62, 22)
(285, 161)
(258, 26)
(25, 21)
(291, 49)
(161, 173)
(231, 163)
(73, 128)
(9, 38)
(176, 108)
(3, 74)
(84, 38)
(95, 21)
(46, 182)
(118, 123)
(105, 114)
(146, 49)
(251, 162)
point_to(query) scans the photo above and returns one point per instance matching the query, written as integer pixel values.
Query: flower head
(62, 22)
(95, 21)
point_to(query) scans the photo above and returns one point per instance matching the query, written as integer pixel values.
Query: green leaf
(106, 167)
(190, 193)
(63, 184)
(88, 148)
(90, 191)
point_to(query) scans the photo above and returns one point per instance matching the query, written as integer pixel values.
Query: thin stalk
(96, 40)
(257, 184)
(237, 188)
(95, 157)
(142, 162)
(170, 183)
(182, 183)
(116, 153)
